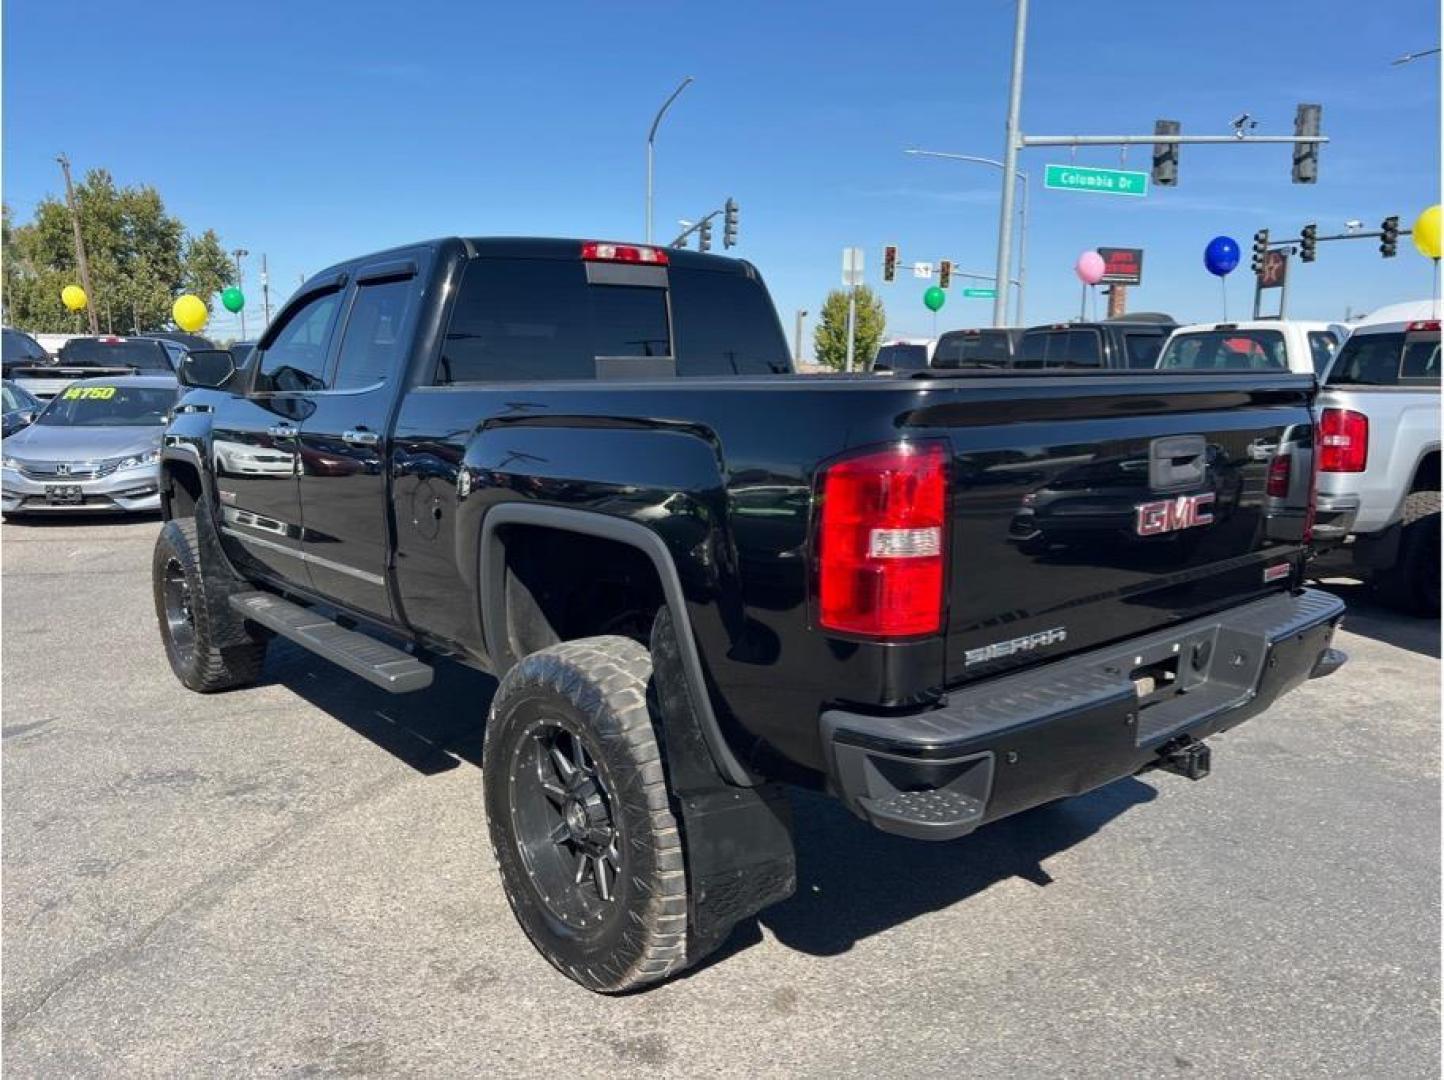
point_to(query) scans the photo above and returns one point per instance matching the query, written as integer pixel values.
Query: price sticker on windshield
(89, 393)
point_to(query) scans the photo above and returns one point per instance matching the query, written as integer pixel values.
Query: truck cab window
(296, 356)
(373, 344)
(1142, 349)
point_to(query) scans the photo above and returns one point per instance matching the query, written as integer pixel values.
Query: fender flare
(565, 519)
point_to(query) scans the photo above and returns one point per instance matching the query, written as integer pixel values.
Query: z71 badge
(1171, 515)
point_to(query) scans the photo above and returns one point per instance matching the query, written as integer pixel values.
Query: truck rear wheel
(1412, 583)
(580, 816)
(187, 621)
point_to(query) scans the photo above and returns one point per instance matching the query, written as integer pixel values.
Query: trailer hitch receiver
(1186, 757)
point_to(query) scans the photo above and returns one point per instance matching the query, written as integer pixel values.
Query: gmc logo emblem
(1171, 515)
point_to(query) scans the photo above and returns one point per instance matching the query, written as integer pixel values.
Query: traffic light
(945, 273)
(729, 224)
(704, 236)
(889, 262)
(1306, 155)
(1260, 249)
(1309, 243)
(1165, 155)
(1389, 242)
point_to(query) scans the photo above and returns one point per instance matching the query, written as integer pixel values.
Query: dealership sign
(1122, 266)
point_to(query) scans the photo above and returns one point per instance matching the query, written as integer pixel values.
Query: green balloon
(233, 299)
(934, 298)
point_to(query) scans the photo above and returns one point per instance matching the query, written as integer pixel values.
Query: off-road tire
(200, 663)
(1412, 583)
(593, 690)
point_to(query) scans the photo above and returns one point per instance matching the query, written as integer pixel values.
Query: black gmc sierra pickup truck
(590, 469)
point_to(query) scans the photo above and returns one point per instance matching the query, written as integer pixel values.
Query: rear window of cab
(527, 319)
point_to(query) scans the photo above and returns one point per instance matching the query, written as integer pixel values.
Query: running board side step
(375, 661)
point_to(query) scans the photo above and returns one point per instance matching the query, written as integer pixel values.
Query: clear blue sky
(316, 131)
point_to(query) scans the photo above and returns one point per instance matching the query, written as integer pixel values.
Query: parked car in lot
(95, 448)
(1259, 344)
(92, 357)
(985, 347)
(21, 408)
(903, 354)
(589, 468)
(1378, 504)
(1129, 341)
(186, 341)
(18, 349)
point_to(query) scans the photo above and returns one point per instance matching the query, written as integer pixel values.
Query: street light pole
(651, 138)
(1010, 164)
(797, 338)
(1022, 277)
(241, 253)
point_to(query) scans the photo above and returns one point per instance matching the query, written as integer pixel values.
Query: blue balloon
(1221, 255)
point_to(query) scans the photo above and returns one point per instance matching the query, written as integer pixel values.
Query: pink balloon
(1089, 268)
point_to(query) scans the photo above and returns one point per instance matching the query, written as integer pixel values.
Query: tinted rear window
(901, 358)
(1213, 350)
(983, 348)
(1142, 349)
(1387, 360)
(92, 352)
(521, 319)
(1060, 348)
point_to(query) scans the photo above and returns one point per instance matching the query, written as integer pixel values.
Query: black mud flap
(738, 840)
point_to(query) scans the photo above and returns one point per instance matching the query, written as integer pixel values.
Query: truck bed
(1046, 477)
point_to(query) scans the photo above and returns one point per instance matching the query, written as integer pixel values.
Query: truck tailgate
(1088, 510)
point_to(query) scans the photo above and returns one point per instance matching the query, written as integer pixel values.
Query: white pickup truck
(1305, 348)
(1378, 416)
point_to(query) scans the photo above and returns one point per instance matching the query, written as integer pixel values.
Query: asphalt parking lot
(294, 880)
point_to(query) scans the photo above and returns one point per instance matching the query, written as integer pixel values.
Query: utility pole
(265, 290)
(241, 253)
(797, 338)
(851, 326)
(80, 259)
(1010, 167)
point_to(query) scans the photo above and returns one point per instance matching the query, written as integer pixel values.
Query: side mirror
(209, 369)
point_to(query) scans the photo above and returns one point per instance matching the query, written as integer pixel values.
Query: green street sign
(1098, 181)
(981, 294)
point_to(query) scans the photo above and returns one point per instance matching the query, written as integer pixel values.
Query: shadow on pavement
(431, 730)
(854, 881)
(1368, 618)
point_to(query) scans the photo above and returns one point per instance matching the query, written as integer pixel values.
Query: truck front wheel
(1412, 583)
(183, 607)
(580, 817)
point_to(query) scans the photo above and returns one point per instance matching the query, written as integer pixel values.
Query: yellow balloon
(1426, 232)
(73, 297)
(190, 313)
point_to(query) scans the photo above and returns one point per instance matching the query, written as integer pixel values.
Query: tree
(830, 338)
(141, 259)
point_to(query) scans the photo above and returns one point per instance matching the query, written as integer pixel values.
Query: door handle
(360, 437)
(281, 431)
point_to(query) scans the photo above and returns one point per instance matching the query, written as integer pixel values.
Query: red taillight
(1343, 441)
(1422, 325)
(881, 546)
(596, 251)
(1280, 472)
